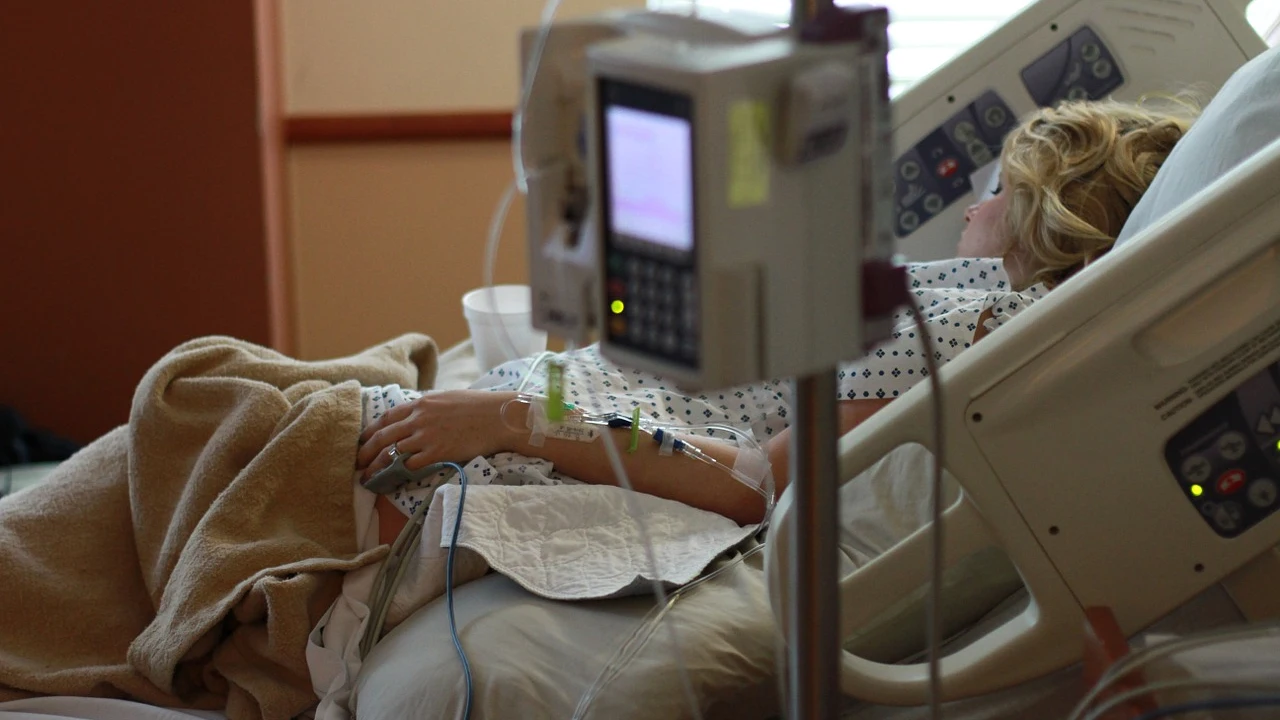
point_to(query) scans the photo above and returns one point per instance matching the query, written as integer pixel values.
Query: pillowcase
(1242, 119)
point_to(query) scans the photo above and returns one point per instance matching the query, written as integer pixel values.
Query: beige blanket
(182, 559)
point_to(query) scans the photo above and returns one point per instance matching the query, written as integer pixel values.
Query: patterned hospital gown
(951, 294)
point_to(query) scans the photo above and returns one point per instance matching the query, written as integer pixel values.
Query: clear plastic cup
(513, 313)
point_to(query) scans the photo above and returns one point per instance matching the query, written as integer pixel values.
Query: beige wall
(385, 238)
(389, 55)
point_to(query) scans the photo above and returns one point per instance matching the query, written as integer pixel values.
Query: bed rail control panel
(935, 173)
(1079, 68)
(1227, 460)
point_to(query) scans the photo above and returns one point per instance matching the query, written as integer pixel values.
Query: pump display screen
(650, 183)
(648, 203)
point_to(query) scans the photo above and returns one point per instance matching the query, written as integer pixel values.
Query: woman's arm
(852, 414)
(457, 426)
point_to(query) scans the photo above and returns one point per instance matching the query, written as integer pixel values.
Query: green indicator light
(617, 307)
(1197, 490)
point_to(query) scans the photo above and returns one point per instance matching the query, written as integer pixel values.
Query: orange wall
(130, 200)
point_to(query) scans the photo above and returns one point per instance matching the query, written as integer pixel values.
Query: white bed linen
(80, 708)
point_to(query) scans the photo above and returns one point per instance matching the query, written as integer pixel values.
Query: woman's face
(985, 233)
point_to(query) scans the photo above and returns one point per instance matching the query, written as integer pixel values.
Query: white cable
(517, 120)
(1219, 685)
(657, 614)
(659, 594)
(1142, 658)
(496, 225)
(521, 184)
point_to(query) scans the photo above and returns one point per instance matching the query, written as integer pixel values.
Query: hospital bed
(1214, 203)
(535, 658)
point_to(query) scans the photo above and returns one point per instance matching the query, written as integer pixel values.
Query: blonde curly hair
(1074, 173)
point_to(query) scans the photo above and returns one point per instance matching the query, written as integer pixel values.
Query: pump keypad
(1227, 460)
(652, 306)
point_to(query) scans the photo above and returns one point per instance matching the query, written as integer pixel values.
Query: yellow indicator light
(1197, 490)
(617, 307)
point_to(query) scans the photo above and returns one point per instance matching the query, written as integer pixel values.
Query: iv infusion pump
(734, 183)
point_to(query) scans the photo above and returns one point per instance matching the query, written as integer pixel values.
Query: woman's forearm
(674, 477)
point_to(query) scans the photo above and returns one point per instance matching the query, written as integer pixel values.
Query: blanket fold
(182, 559)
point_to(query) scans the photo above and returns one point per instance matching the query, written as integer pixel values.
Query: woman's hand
(453, 426)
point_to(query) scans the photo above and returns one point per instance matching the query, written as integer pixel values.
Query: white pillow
(1242, 119)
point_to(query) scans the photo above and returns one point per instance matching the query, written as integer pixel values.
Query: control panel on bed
(935, 173)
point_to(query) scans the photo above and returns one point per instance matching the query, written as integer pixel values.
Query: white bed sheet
(78, 708)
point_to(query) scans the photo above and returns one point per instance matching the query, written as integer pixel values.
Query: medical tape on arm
(752, 462)
(668, 444)
(571, 427)
(536, 419)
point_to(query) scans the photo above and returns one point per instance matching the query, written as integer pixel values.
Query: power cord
(448, 588)
(392, 572)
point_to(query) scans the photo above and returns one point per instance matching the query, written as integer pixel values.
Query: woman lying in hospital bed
(1070, 177)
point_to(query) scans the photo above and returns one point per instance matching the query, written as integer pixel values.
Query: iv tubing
(762, 486)
(659, 594)
(517, 121)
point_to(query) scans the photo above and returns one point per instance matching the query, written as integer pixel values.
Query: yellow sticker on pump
(749, 133)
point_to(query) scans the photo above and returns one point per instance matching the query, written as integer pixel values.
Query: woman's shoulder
(986, 274)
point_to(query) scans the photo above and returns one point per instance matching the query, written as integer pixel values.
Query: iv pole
(814, 651)
(814, 666)
(815, 629)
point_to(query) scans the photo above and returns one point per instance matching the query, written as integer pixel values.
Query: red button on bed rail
(1231, 482)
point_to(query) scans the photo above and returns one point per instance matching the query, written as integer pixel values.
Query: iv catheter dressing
(751, 468)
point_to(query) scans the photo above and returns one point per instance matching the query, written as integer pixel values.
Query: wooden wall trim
(275, 184)
(331, 129)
